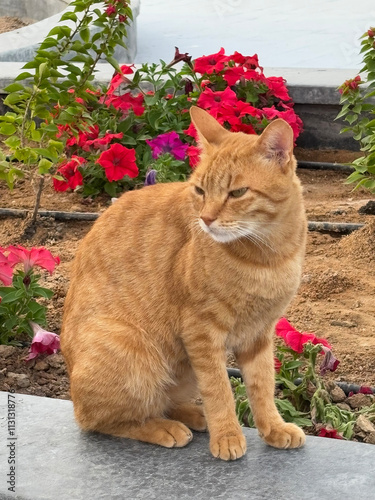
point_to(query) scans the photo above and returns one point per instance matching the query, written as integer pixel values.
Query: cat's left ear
(276, 143)
(209, 130)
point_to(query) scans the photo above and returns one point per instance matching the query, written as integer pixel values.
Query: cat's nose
(207, 220)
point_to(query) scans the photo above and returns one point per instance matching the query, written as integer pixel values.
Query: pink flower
(6, 271)
(43, 342)
(329, 433)
(117, 162)
(295, 339)
(168, 143)
(40, 257)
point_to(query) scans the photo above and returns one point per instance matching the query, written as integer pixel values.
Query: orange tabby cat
(173, 275)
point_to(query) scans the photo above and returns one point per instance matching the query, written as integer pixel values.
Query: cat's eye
(237, 193)
(199, 191)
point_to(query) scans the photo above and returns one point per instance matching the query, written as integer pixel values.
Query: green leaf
(38, 291)
(23, 76)
(13, 87)
(85, 34)
(71, 16)
(44, 166)
(7, 128)
(112, 61)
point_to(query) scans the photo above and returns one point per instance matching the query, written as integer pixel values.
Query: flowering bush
(141, 123)
(358, 111)
(20, 309)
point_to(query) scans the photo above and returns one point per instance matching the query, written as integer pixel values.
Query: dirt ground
(11, 23)
(336, 299)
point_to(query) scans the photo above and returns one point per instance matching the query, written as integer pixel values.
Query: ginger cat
(173, 275)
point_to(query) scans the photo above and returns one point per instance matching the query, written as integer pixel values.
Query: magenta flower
(35, 257)
(329, 362)
(43, 342)
(168, 143)
(295, 339)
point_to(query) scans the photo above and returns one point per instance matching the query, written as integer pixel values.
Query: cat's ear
(276, 142)
(209, 130)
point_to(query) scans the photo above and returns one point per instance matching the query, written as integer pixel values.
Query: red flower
(6, 271)
(364, 389)
(295, 339)
(212, 100)
(111, 9)
(371, 33)
(276, 85)
(43, 342)
(349, 85)
(329, 433)
(232, 75)
(249, 62)
(127, 101)
(193, 153)
(101, 142)
(209, 64)
(40, 257)
(119, 78)
(192, 131)
(232, 113)
(122, 18)
(70, 171)
(278, 365)
(117, 162)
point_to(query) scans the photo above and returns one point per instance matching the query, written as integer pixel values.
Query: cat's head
(244, 183)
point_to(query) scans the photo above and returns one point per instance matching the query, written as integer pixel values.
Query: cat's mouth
(220, 234)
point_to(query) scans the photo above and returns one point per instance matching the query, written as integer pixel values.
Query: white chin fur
(217, 234)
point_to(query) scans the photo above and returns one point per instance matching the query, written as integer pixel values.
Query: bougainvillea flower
(6, 271)
(209, 64)
(111, 9)
(150, 177)
(168, 143)
(350, 85)
(329, 433)
(43, 342)
(213, 100)
(371, 32)
(69, 170)
(127, 101)
(194, 153)
(118, 161)
(329, 362)
(295, 339)
(119, 78)
(40, 257)
(101, 142)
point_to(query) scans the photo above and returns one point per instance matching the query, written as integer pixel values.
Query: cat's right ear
(209, 130)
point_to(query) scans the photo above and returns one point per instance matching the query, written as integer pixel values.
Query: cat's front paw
(285, 436)
(228, 447)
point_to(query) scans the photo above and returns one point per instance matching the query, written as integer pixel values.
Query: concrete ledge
(54, 459)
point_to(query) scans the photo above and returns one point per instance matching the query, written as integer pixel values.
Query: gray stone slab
(56, 461)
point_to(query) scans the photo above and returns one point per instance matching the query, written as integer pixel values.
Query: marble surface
(56, 461)
(291, 34)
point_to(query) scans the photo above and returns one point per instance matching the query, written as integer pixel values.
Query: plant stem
(37, 200)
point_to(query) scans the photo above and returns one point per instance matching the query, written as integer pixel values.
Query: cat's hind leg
(119, 384)
(183, 397)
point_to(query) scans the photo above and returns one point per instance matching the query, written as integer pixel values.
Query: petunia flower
(101, 142)
(276, 84)
(119, 78)
(69, 170)
(40, 257)
(168, 143)
(193, 152)
(179, 57)
(295, 339)
(150, 177)
(43, 342)
(329, 433)
(117, 162)
(277, 364)
(209, 64)
(329, 362)
(127, 101)
(6, 271)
